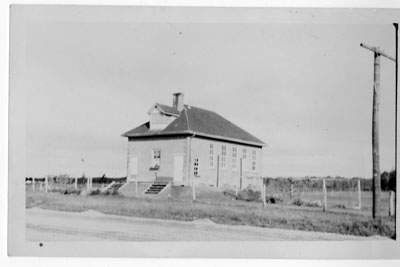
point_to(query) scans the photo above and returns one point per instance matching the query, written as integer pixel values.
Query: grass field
(349, 200)
(220, 208)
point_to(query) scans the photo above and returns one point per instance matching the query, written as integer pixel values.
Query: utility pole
(396, 26)
(375, 129)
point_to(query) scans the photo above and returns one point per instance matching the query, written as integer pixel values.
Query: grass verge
(234, 212)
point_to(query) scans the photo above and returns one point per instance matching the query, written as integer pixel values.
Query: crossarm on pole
(378, 51)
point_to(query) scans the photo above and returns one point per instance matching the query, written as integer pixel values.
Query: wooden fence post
(33, 184)
(46, 184)
(359, 194)
(325, 207)
(76, 182)
(262, 187)
(87, 184)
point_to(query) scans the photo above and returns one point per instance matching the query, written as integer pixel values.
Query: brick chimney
(177, 101)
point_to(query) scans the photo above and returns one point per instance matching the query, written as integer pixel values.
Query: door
(178, 168)
(133, 168)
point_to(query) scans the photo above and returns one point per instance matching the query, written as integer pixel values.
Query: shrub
(300, 202)
(339, 206)
(94, 192)
(56, 190)
(274, 199)
(314, 203)
(249, 195)
(72, 192)
(65, 191)
(229, 193)
(297, 202)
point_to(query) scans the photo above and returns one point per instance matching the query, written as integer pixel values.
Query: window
(211, 155)
(196, 167)
(156, 158)
(223, 157)
(244, 161)
(253, 160)
(234, 158)
(244, 153)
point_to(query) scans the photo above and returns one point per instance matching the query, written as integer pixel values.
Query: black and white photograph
(187, 127)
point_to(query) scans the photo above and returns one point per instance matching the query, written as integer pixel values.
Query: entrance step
(156, 188)
(113, 187)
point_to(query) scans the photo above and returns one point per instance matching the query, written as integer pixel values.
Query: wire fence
(325, 194)
(64, 183)
(328, 194)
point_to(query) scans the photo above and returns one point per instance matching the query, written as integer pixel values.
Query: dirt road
(49, 225)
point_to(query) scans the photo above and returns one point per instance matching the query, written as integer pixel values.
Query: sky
(304, 89)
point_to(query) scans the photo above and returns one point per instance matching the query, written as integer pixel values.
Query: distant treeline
(66, 179)
(388, 182)
(283, 184)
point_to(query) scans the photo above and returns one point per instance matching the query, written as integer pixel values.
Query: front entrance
(178, 168)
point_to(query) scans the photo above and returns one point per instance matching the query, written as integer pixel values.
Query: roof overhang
(234, 140)
(192, 133)
(156, 133)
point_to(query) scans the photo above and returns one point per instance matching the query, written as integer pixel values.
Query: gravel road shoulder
(50, 225)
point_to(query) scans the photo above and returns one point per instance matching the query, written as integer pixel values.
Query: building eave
(189, 132)
(160, 133)
(234, 140)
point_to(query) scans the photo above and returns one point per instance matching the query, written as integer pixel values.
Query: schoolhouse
(182, 143)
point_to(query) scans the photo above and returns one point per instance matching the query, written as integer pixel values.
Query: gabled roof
(165, 109)
(200, 122)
